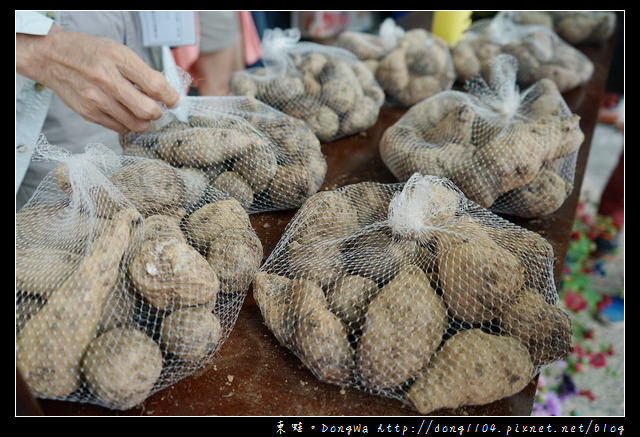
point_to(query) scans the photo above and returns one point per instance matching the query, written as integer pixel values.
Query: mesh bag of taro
(128, 276)
(510, 151)
(411, 291)
(409, 65)
(327, 87)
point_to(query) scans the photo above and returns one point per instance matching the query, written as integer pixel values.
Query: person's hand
(103, 81)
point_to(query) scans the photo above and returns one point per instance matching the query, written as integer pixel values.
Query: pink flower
(588, 334)
(575, 302)
(577, 349)
(598, 360)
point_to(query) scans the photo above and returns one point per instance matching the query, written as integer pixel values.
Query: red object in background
(251, 49)
(612, 110)
(588, 393)
(322, 24)
(575, 302)
(604, 302)
(598, 360)
(610, 100)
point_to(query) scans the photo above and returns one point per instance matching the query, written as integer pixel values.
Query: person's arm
(102, 80)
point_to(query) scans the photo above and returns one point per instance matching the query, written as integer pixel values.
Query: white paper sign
(170, 28)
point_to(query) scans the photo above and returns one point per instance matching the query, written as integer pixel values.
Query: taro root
(52, 342)
(471, 368)
(151, 186)
(203, 146)
(235, 256)
(272, 294)
(543, 328)
(349, 296)
(191, 333)
(320, 262)
(121, 367)
(211, 220)
(325, 214)
(477, 276)
(170, 273)
(291, 185)
(404, 325)
(236, 186)
(161, 227)
(320, 337)
(257, 165)
(542, 196)
(41, 270)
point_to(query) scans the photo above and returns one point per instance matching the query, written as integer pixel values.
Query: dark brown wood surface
(252, 375)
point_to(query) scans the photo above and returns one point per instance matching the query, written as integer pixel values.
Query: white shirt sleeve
(32, 100)
(32, 22)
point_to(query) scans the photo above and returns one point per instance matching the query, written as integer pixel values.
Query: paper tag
(170, 28)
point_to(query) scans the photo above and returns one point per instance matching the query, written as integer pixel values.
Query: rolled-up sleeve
(32, 99)
(32, 22)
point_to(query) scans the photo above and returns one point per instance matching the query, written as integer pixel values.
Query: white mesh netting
(540, 52)
(327, 87)
(412, 291)
(511, 151)
(409, 65)
(265, 159)
(128, 278)
(575, 27)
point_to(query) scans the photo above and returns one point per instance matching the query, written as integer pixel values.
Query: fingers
(122, 116)
(108, 112)
(150, 81)
(130, 89)
(102, 80)
(139, 104)
(107, 121)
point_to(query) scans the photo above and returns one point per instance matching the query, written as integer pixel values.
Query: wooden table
(253, 375)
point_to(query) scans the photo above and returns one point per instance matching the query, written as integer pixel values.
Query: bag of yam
(575, 27)
(265, 159)
(409, 65)
(540, 52)
(327, 87)
(513, 152)
(128, 277)
(411, 291)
